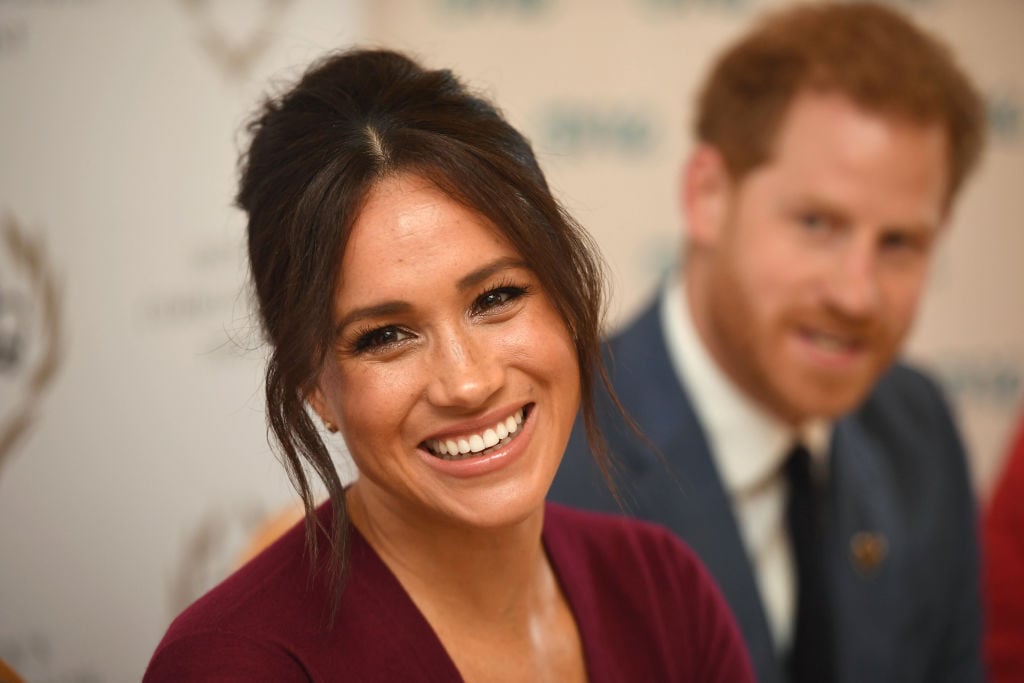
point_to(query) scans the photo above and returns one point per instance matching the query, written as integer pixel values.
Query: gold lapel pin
(868, 551)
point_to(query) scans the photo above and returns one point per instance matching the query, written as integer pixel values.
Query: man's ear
(706, 190)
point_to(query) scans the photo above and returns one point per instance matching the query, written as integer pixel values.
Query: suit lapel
(690, 498)
(867, 553)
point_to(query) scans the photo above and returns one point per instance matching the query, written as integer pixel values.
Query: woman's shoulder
(635, 582)
(203, 655)
(272, 620)
(643, 562)
(249, 619)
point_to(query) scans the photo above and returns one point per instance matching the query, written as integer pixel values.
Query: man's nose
(853, 280)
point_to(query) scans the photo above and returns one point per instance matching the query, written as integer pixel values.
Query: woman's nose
(466, 372)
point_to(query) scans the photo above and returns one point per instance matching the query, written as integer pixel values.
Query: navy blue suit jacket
(897, 473)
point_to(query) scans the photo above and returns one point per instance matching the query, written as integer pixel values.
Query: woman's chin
(504, 511)
(470, 505)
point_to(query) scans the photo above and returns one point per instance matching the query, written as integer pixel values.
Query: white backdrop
(133, 457)
(147, 462)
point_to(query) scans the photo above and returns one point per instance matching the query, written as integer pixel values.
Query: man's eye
(496, 298)
(380, 338)
(896, 241)
(813, 221)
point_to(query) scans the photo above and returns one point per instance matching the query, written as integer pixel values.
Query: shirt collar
(748, 444)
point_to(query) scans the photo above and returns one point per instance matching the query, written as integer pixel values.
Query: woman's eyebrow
(384, 308)
(480, 274)
(387, 308)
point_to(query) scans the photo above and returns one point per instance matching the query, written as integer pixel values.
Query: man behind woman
(822, 481)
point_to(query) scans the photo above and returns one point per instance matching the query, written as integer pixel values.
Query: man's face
(806, 282)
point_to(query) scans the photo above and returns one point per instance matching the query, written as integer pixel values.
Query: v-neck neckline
(413, 624)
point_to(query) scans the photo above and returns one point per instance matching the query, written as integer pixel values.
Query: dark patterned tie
(811, 658)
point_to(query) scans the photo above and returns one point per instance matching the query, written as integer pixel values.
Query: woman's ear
(316, 401)
(706, 191)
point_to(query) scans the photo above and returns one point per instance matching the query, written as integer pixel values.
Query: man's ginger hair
(864, 51)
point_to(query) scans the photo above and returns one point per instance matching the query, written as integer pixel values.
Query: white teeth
(829, 343)
(454, 449)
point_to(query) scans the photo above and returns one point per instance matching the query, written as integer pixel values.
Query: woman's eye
(496, 298)
(380, 338)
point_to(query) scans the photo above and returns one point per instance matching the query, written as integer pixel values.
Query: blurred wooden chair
(9, 675)
(269, 531)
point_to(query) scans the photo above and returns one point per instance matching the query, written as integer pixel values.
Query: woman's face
(453, 379)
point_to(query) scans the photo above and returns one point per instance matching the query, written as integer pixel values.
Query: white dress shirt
(749, 448)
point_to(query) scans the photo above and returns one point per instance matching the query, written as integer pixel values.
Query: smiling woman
(446, 336)
(425, 295)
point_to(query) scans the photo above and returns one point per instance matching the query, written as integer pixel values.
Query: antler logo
(30, 332)
(235, 57)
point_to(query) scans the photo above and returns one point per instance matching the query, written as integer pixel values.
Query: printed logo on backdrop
(1005, 118)
(16, 27)
(205, 301)
(235, 55)
(578, 130)
(13, 36)
(985, 378)
(478, 7)
(30, 332)
(986, 387)
(688, 5)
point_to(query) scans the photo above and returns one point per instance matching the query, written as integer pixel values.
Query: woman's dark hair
(352, 120)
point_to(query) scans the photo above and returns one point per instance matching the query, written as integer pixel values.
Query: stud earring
(329, 426)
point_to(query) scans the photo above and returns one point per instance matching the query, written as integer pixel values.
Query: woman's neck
(483, 591)
(476, 572)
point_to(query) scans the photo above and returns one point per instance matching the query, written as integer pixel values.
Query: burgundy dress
(645, 607)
